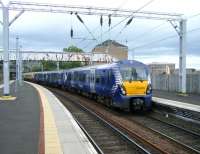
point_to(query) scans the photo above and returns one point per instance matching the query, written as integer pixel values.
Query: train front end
(134, 90)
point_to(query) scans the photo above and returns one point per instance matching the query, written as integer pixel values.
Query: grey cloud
(52, 32)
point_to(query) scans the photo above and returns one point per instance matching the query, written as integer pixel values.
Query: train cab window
(133, 74)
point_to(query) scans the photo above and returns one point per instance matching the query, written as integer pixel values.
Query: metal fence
(170, 82)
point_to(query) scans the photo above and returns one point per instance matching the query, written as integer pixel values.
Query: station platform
(188, 102)
(37, 122)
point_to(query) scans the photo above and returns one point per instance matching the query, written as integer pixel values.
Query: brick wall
(120, 53)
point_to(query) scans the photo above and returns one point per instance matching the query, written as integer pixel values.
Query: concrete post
(20, 66)
(17, 59)
(58, 65)
(91, 58)
(182, 57)
(42, 68)
(6, 71)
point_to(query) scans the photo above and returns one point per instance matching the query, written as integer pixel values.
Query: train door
(72, 79)
(92, 80)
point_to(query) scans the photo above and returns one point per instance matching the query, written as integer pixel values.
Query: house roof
(108, 42)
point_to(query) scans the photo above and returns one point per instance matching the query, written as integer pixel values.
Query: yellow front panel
(135, 87)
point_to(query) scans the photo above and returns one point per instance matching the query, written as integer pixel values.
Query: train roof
(101, 66)
(114, 64)
(132, 62)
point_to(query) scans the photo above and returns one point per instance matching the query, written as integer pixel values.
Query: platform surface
(20, 124)
(58, 120)
(190, 98)
(190, 102)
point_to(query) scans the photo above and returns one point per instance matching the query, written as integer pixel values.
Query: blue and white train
(125, 84)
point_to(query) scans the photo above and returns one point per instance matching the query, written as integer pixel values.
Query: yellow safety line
(7, 98)
(52, 142)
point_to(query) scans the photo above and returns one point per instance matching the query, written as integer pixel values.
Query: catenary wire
(163, 39)
(143, 6)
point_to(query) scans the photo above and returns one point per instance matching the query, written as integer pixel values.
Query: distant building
(112, 48)
(188, 71)
(197, 71)
(162, 68)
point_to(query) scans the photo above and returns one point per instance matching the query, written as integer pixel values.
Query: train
(124, 84)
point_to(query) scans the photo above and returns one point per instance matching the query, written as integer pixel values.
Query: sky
(148, 40)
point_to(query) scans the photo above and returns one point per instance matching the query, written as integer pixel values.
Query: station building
(113, 48)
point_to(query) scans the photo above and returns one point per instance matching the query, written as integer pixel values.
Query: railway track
(187, 130)
(152, 140)
(173, 119)
(178, 112)
(105, 137)
(188, 139)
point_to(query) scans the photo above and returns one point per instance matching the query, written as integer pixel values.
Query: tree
(68, 65)
(48, 65)
(36, 68)
(72, 48)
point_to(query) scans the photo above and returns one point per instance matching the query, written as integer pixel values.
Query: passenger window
(102, 80)
(97, 79)
(76, 77)
(88, 77)
(72, 76)
(109, 76)
(69, 77)
(106, 75)
(84, 77)
(79, 77)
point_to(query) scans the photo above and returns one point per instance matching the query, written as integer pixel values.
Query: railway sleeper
(103, 136)
(109, 142)
(115, 148)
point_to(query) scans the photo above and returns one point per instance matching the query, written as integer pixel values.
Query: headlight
(123, 90)
(149, 89)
